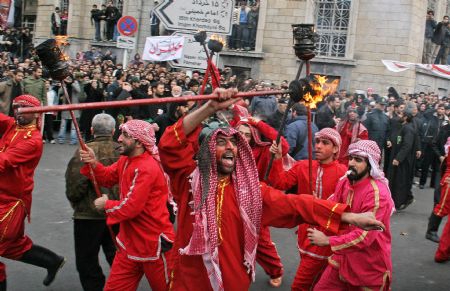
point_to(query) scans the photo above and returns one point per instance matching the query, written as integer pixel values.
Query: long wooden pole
(308, 112)
(84, 147)
(127, 103)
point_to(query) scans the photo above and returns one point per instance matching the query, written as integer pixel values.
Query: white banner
(439, 70)
(163, 48)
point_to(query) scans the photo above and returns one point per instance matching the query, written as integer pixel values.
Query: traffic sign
(210, 15)
(127, 25)
(194, 56)
(126, 42)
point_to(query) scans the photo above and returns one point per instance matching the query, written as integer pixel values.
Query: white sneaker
(52, 141)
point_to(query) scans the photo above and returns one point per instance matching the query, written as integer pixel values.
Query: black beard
(354, 176)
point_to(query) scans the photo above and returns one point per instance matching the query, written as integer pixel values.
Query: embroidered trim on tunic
(128, 194)
(331, 214)
(363, 235)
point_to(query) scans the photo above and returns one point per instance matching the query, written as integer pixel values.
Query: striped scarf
(205, 240)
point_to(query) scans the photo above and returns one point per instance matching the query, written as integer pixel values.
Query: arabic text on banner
(163, 48)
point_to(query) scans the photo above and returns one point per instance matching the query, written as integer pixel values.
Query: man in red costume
(252, 129)
(361, 260)
(351, 130)
(222, 204)
(326, 172)
(20, 152)
(442, 209)
(146, 234)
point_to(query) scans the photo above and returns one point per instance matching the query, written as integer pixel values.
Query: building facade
(355, 35)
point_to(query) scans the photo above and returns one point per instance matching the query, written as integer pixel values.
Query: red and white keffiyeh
(28, 101)
(332, 135)
(205, 240)
(144, 132)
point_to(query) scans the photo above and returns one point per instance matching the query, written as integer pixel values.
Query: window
(64, 5)
(332, 22)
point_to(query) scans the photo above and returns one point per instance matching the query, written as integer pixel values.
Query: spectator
(274, 120)
(438, 38)
(90, 230)
(253, 16)
(96, 17)
(430, 25)
(49, 117)
(263, 106)
(242, 28)
(9, 90)
(297, 133)
(326, 115)
(35, 85)
(154, 22)
(56, 21)
(377, 123)
(73, 89)
(64, 21)
(401, 166)
(112, 14)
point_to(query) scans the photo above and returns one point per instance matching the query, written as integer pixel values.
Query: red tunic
(442, 209)
(324, 186)
(347, 133)
(142, 209)
(279, 210)
(20, 152)
(262, 153)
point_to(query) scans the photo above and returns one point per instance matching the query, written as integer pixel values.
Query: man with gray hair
(90, 230)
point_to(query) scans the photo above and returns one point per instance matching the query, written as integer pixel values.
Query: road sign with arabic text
(210, 15)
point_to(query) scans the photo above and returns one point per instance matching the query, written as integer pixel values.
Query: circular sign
(127, 25)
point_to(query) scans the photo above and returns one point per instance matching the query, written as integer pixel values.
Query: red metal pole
(83, 146)
(126, 103)
(308, 113)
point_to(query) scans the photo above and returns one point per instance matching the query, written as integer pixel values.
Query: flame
(62, 42)
(321, 89)
(219, 39)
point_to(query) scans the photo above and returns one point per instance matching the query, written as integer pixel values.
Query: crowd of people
(436, 46)
(203, 165)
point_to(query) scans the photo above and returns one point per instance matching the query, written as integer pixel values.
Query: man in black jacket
(438, 37)
(377, 123)
(326, 116)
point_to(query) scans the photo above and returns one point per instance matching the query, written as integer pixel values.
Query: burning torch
(53, 58)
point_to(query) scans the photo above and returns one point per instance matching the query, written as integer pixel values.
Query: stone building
(355, 35)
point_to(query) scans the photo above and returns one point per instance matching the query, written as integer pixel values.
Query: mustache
(351, 170)
(117, 148)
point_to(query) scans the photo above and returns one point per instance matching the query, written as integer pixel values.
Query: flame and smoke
(62, 42)
(219, 39)
(320, 89)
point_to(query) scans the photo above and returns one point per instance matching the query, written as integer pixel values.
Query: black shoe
(433, 236)
(3, 285)
(421, 186)
(45, 258)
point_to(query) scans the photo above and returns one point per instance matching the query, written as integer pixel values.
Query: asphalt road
(51, 226)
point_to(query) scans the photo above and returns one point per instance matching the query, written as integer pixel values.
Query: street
(51, 226)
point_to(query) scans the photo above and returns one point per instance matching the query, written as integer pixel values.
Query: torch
(304, 39)
(55, 61)
(215, 45)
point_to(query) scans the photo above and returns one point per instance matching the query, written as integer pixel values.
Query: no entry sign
(127, 25)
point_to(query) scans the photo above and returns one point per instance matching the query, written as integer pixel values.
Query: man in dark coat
(326, 116)
(377, 123)
(401, 167)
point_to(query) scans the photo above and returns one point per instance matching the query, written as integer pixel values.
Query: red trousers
(443, 251)
(331, 281)
(267, 255)
(13, 242)
(308, 273)
(126, 274)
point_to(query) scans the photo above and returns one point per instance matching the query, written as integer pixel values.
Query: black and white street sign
(213, 16)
